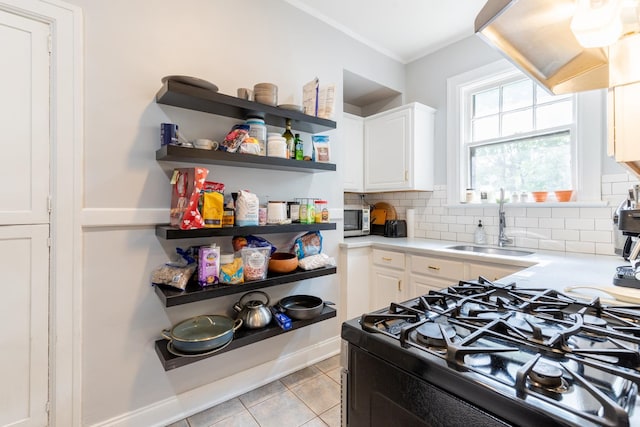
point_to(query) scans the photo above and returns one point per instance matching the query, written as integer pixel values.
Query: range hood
(536, 36)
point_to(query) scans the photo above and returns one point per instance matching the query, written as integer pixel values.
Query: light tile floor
(309, 397)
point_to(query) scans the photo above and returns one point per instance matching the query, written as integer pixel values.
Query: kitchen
(104, 349)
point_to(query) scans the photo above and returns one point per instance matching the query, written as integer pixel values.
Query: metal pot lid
(202, 328)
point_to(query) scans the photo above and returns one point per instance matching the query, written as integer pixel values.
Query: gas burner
(590, 320)
(431, 334)
(545, 375)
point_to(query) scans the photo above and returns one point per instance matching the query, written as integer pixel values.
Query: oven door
(379, 394)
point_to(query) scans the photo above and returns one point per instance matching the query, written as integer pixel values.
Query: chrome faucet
(503, 240)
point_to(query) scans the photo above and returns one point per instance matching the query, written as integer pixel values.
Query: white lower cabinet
(355, 273)
(432, 273)
(489, 271)
(373, 278)
(388, 282)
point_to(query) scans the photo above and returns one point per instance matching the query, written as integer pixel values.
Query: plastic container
(322, 211)
(277, 146)
(258, 130)
(276, 212)
(255, 262)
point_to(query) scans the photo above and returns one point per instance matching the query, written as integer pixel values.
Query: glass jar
(322, 211)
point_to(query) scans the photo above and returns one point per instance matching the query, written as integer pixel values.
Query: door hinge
(49, 204)
(47, 407)
(49, 43)
(49, 241)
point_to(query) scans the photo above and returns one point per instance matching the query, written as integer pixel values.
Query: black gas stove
(483, 353)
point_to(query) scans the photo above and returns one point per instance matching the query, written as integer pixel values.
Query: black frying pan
(302, 307)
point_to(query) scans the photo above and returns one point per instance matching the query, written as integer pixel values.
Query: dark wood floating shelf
(194, 98)
(171, 297)
(169, 232)
(241, 338)
(195, 155)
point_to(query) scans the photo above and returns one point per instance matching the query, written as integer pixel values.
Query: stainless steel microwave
(356, 220)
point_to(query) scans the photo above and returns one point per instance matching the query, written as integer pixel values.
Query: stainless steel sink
(490, 250)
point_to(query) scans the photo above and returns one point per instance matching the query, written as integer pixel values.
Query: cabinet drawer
(388, 258)
(437, 267)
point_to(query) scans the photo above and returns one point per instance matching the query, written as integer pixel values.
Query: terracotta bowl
(564, 195)
(282, 262)
(539, 196)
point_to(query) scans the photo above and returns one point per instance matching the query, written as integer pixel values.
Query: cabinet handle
(400, 285)
(406, 175)
(431, 267)
(387, 259)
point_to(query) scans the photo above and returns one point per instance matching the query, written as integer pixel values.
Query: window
(506, 131)
(518, 137)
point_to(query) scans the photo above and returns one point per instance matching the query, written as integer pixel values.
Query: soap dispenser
(479, 237)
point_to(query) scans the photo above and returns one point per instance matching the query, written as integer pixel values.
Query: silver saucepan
(302, 307)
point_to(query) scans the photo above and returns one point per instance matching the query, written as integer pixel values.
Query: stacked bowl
(266, 93)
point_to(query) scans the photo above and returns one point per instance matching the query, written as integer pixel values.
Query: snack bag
(308, 244)
(208, 265)
(187, 184)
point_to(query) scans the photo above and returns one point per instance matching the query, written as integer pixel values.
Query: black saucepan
(302, 307)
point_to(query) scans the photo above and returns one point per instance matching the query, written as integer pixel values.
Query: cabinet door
(354, 282)
(421, 285)
(387, 137)
(490, 271)
(387, 286)
(353, 137)
(626, 102)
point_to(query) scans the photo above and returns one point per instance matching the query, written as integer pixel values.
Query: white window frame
(587, 140)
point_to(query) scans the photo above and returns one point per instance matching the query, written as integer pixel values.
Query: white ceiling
(401, 29)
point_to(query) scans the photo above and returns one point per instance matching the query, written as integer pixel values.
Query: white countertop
(542, 269)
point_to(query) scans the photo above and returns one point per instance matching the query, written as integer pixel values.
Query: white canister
(258, 130)
(276, 146)
(276, 212)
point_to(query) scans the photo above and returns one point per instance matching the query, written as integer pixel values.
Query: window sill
(550, 204)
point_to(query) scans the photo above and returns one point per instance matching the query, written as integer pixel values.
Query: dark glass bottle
(289, 141)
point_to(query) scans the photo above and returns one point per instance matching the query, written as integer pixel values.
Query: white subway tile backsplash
(595, 236)
(567, 235)
(579, 224)
(552, 245)
(448, 236)
(527, 222)
(604, 212)
(582, 247)
(556, 228)
(603, 224)
(539, 233)
(539, 212)
(551, 223)
(565, 212)
(458, 228)
(605, 249)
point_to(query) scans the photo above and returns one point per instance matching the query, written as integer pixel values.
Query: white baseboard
(191, 402)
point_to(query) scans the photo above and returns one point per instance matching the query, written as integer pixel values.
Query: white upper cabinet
(353, 171)
(398, 149)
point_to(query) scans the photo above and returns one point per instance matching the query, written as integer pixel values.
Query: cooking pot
(302, 307)
(253, 313)
(202, 333)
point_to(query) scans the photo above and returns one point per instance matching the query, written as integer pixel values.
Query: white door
(24, 220)
(353, 132)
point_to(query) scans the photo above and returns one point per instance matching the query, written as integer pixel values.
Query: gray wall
(426, 82)
(129, 46)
